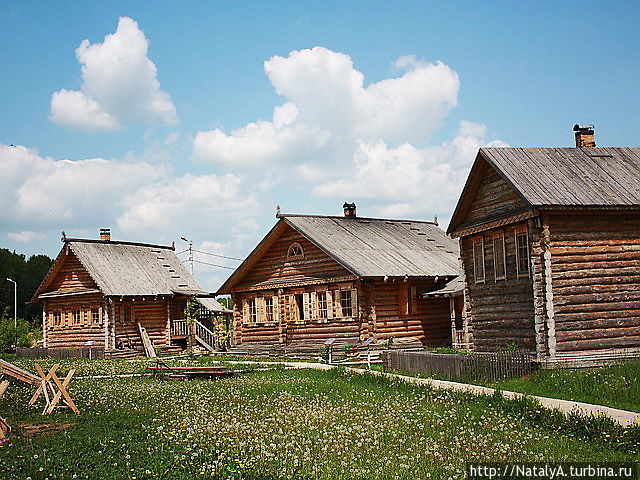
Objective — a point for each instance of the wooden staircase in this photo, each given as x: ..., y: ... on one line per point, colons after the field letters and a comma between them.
x: 205, y: 337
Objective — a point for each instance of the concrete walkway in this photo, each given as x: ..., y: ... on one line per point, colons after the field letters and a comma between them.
x: 622, y: 417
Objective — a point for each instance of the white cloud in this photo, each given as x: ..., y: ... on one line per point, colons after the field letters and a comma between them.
x: 25, y: 236
x: 329, y: 111
x: 119, y: 84
x: 408, y: 181
x: 40, y: 191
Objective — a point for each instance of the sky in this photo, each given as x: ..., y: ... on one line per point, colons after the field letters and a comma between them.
x: 163, y: 120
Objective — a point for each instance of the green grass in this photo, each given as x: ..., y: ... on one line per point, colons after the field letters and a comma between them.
x: 615, y: 386
x: 289, y: 424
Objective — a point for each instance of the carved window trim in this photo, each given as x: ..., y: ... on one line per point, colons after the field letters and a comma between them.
x: 295, y: 252
x: 478, y: 259
x: 522, y: 261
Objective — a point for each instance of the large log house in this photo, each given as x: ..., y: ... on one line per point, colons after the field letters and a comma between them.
x: 550, y: 243
x: 97, y: 291
x: 316, y: 277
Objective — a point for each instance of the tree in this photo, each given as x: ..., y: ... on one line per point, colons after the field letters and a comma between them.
x: 29, y: 274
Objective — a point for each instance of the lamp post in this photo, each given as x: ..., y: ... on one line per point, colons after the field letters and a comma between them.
x: 190, y: 252
x: 15, y: 310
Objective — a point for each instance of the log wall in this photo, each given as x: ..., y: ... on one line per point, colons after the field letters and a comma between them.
x: 150, y: 313
x: 274, y: 266
x: 493, y: 198
x: 67, y: 333
x: 71, y: 275
x: 429, y: 321
x: 595, y: 264
x: 501, y: 312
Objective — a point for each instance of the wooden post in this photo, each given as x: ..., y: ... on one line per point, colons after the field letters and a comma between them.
x: 105, y: 319
x: 44, y: 324
x: 452, y: 316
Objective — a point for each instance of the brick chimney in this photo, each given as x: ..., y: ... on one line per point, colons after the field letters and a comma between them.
x: 349, y: 210
x: 584, y: 136
x: 105, y: 234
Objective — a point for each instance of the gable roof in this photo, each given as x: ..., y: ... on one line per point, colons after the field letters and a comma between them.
x: 368, y: 247
x: 561, y: 177
x: 128, y: 268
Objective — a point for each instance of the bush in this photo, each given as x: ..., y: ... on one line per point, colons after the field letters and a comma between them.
x: 12, y: 336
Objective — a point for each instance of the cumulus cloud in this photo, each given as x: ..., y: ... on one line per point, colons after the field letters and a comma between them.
x: 427, y: 180
x: 329, y: 110
x: 25, y: 236
x: 45, y: 191
x: 119, y: 84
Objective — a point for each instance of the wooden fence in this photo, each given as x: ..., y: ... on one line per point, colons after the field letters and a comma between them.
x: 81, y: 352
x: 472, y: 366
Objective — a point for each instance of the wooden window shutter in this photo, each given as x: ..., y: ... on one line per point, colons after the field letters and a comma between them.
x: 338, y: 303
x: 403, y: 299
x: 305, y: 305
x: 245, y: 310
x: 354, y: 303
x: 260, y: 313
x: 329, y: 304
x: 313, y: 305
x: 276, y: 308
x: 414, y: 300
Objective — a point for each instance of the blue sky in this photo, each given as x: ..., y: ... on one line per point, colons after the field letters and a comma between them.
x: 388, y: 109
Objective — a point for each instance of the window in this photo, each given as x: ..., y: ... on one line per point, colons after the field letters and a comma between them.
x: 57, y: 318
x: 478, y: 260
x: 499, y: 266
x: 522, y: 253
x: 295, y: 252
x: 269, y: 308
x: 95, y: 315
x: 407, y: 300
x: 126, y: 316
x: 299, y: 306
x: 345, y: 303
x: 322, y: 304
x: 76, y: 317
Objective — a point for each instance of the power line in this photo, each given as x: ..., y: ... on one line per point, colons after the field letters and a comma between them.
x: 185, y: 250
x: 216, y: 255
x: 214, y: 265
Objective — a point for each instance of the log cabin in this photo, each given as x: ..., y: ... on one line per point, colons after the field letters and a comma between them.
x: 550, y: 246
x: 98, y: 291
x: 315, y: 277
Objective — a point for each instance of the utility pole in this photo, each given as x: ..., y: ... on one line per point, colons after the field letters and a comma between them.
x: 190, y: 252
x: 15, y: 310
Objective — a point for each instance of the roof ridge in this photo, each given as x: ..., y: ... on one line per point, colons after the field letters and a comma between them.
x: 340, y: 217
x: 118, y: 242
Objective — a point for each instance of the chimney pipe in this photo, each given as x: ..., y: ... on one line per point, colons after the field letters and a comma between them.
x: 349, y: 210
x: 584, y: 136
x: 105, y: 234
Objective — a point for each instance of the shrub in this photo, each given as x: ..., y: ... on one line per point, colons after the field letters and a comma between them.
x: 12, y: 336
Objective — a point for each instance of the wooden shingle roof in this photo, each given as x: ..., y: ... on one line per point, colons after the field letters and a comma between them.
x: 367, y: 247
x: 571, y: 176
x: 129, y: 269
x: 566, y: 178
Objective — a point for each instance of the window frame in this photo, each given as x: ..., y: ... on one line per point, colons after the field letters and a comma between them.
x: 295, y: 256
x: 253, y: 309
x: 522, y: 233
x: 346, y: 304
x: 499, y: 236
x: 323, y: 305
x: 478, y: 241
x: 268, y: 309
x: 95, y: 315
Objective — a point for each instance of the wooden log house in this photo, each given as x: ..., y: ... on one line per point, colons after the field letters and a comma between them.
x: 97, y: 291
x: 318, y: 277
x: 550, y: 244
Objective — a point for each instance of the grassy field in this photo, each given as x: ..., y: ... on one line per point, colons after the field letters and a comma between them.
x: 285, y: 424
x: 615, y: 386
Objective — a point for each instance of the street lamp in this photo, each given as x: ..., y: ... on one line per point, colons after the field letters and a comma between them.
x: 15, y: 303
x: 190, y: 252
